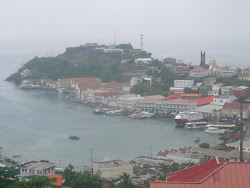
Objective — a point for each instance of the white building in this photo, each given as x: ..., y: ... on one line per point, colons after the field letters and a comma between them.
x: 113, y: 168
x: 165, y: 107
x: 127, y: 102
x: 222, y: 99
x: 145, y: 61
x: 183, y: 83
x: 226, y: 90
x: 135, y: 81
x: 199, y: 72
x: 26, y: 72
x: 41, y: 168
x: 113, y: 50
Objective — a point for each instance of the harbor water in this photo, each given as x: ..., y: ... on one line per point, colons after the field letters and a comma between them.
x: 37, y: 123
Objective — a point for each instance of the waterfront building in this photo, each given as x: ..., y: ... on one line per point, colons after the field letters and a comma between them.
x: 226, y: 74
x: 147, y: 161
x: 83, y: 91
x: 233, y: 110
x: 176, y: 91
x: 41, y: 168
x: 210, y: 81
x: 209, y: 110
x: 222, y: 99
x: 199, y: 72
x: 160, y: 106
x: 226, y: 90
x: 112, y: 169
x: 204, y: 90
x: 100, y: 97
x: 213, y: 173
x: 144, y: 61
x: 127, y: 102
x: 183, y: 83
x: 48, y: 83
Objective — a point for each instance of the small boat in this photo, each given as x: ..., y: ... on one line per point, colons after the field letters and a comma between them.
x: 74, y: 137
x: 215, y: 130
x: 135, y: 116
x: 196, y: 125
x: 16, y: 156
x: 98, y: 111
x: 197, y: 139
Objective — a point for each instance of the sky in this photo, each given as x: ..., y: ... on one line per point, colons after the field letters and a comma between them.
x: 47, y: 25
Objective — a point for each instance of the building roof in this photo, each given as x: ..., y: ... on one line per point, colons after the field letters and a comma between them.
x: 203, y: 101
x: 112, y: 163
x: 220, y: 68
x: 152, y: 99
x: 113, y: 84
x: 37, y: 165
x: 237, y: 144
x: 109, y: 93
x: 190, y: 95
x: 219, y: 84
x: 180, y: 101
x: 48, y: 81
x: 172, y: 97
x: 89, y: 86
x: 215, y: 173
x: 59, y: 179
x: 235, y: 106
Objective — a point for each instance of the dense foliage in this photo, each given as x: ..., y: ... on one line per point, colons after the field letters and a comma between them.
x: 77, y: 62
x: 9, y: 179
x: 204, y: 145
x: 84, y: 179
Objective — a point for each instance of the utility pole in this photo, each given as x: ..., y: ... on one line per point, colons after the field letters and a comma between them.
x: 241, y: 130
x: 91, y: 160
x: 114, y: 40
x: 141, y: 42
x: 150, y: 150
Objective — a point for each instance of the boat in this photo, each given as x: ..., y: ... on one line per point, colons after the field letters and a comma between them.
x: 215, y: 130
x: 135, y: 116
x: 196, y: 125
x: 74, y: 137
x: 197, y: 139
x: 186, y: 117
x: 16, y: 156
x: 98, y: 111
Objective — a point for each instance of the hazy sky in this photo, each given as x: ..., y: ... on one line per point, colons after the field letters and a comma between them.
x: 74, y: 22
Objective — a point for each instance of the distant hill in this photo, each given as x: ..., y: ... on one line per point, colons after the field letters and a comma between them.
x: 82, y: 61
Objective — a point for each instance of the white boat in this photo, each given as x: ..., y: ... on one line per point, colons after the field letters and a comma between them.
x: 215, y: 130
x: 196, y: 125
x: 186, y: 117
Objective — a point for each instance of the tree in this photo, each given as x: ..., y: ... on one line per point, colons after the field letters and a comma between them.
x: 125, y: 181
x: 8, y: 176
x: 81, y: 179
x: 37, y: 181
x: 204, y: 145
x: 205, y: 158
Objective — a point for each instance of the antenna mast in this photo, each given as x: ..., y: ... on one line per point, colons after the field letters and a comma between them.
x: 141, y: 42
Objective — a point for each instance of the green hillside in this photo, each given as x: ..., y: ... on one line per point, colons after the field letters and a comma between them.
x: 77, y: 62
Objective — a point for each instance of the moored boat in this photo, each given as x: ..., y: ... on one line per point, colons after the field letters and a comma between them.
x: 196, y: 125
x: 186, y: 117
x: 74, y: 137
x: 215, y: 130
x: 197, y: 139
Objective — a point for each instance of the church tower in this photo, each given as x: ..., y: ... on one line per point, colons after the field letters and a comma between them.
x: 203, y: 59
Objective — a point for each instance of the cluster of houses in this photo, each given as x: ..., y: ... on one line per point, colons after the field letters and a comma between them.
x: 213, y: 99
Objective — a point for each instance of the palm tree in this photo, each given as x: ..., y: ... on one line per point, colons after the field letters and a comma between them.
x: 126, y: 181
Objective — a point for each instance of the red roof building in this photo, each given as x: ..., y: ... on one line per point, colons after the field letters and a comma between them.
x: 59, y: 179
x: 172, y: 97
x: 233, y: 110
x: 204, y: 101
x: 190, y: 96
x: 215, y: 173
